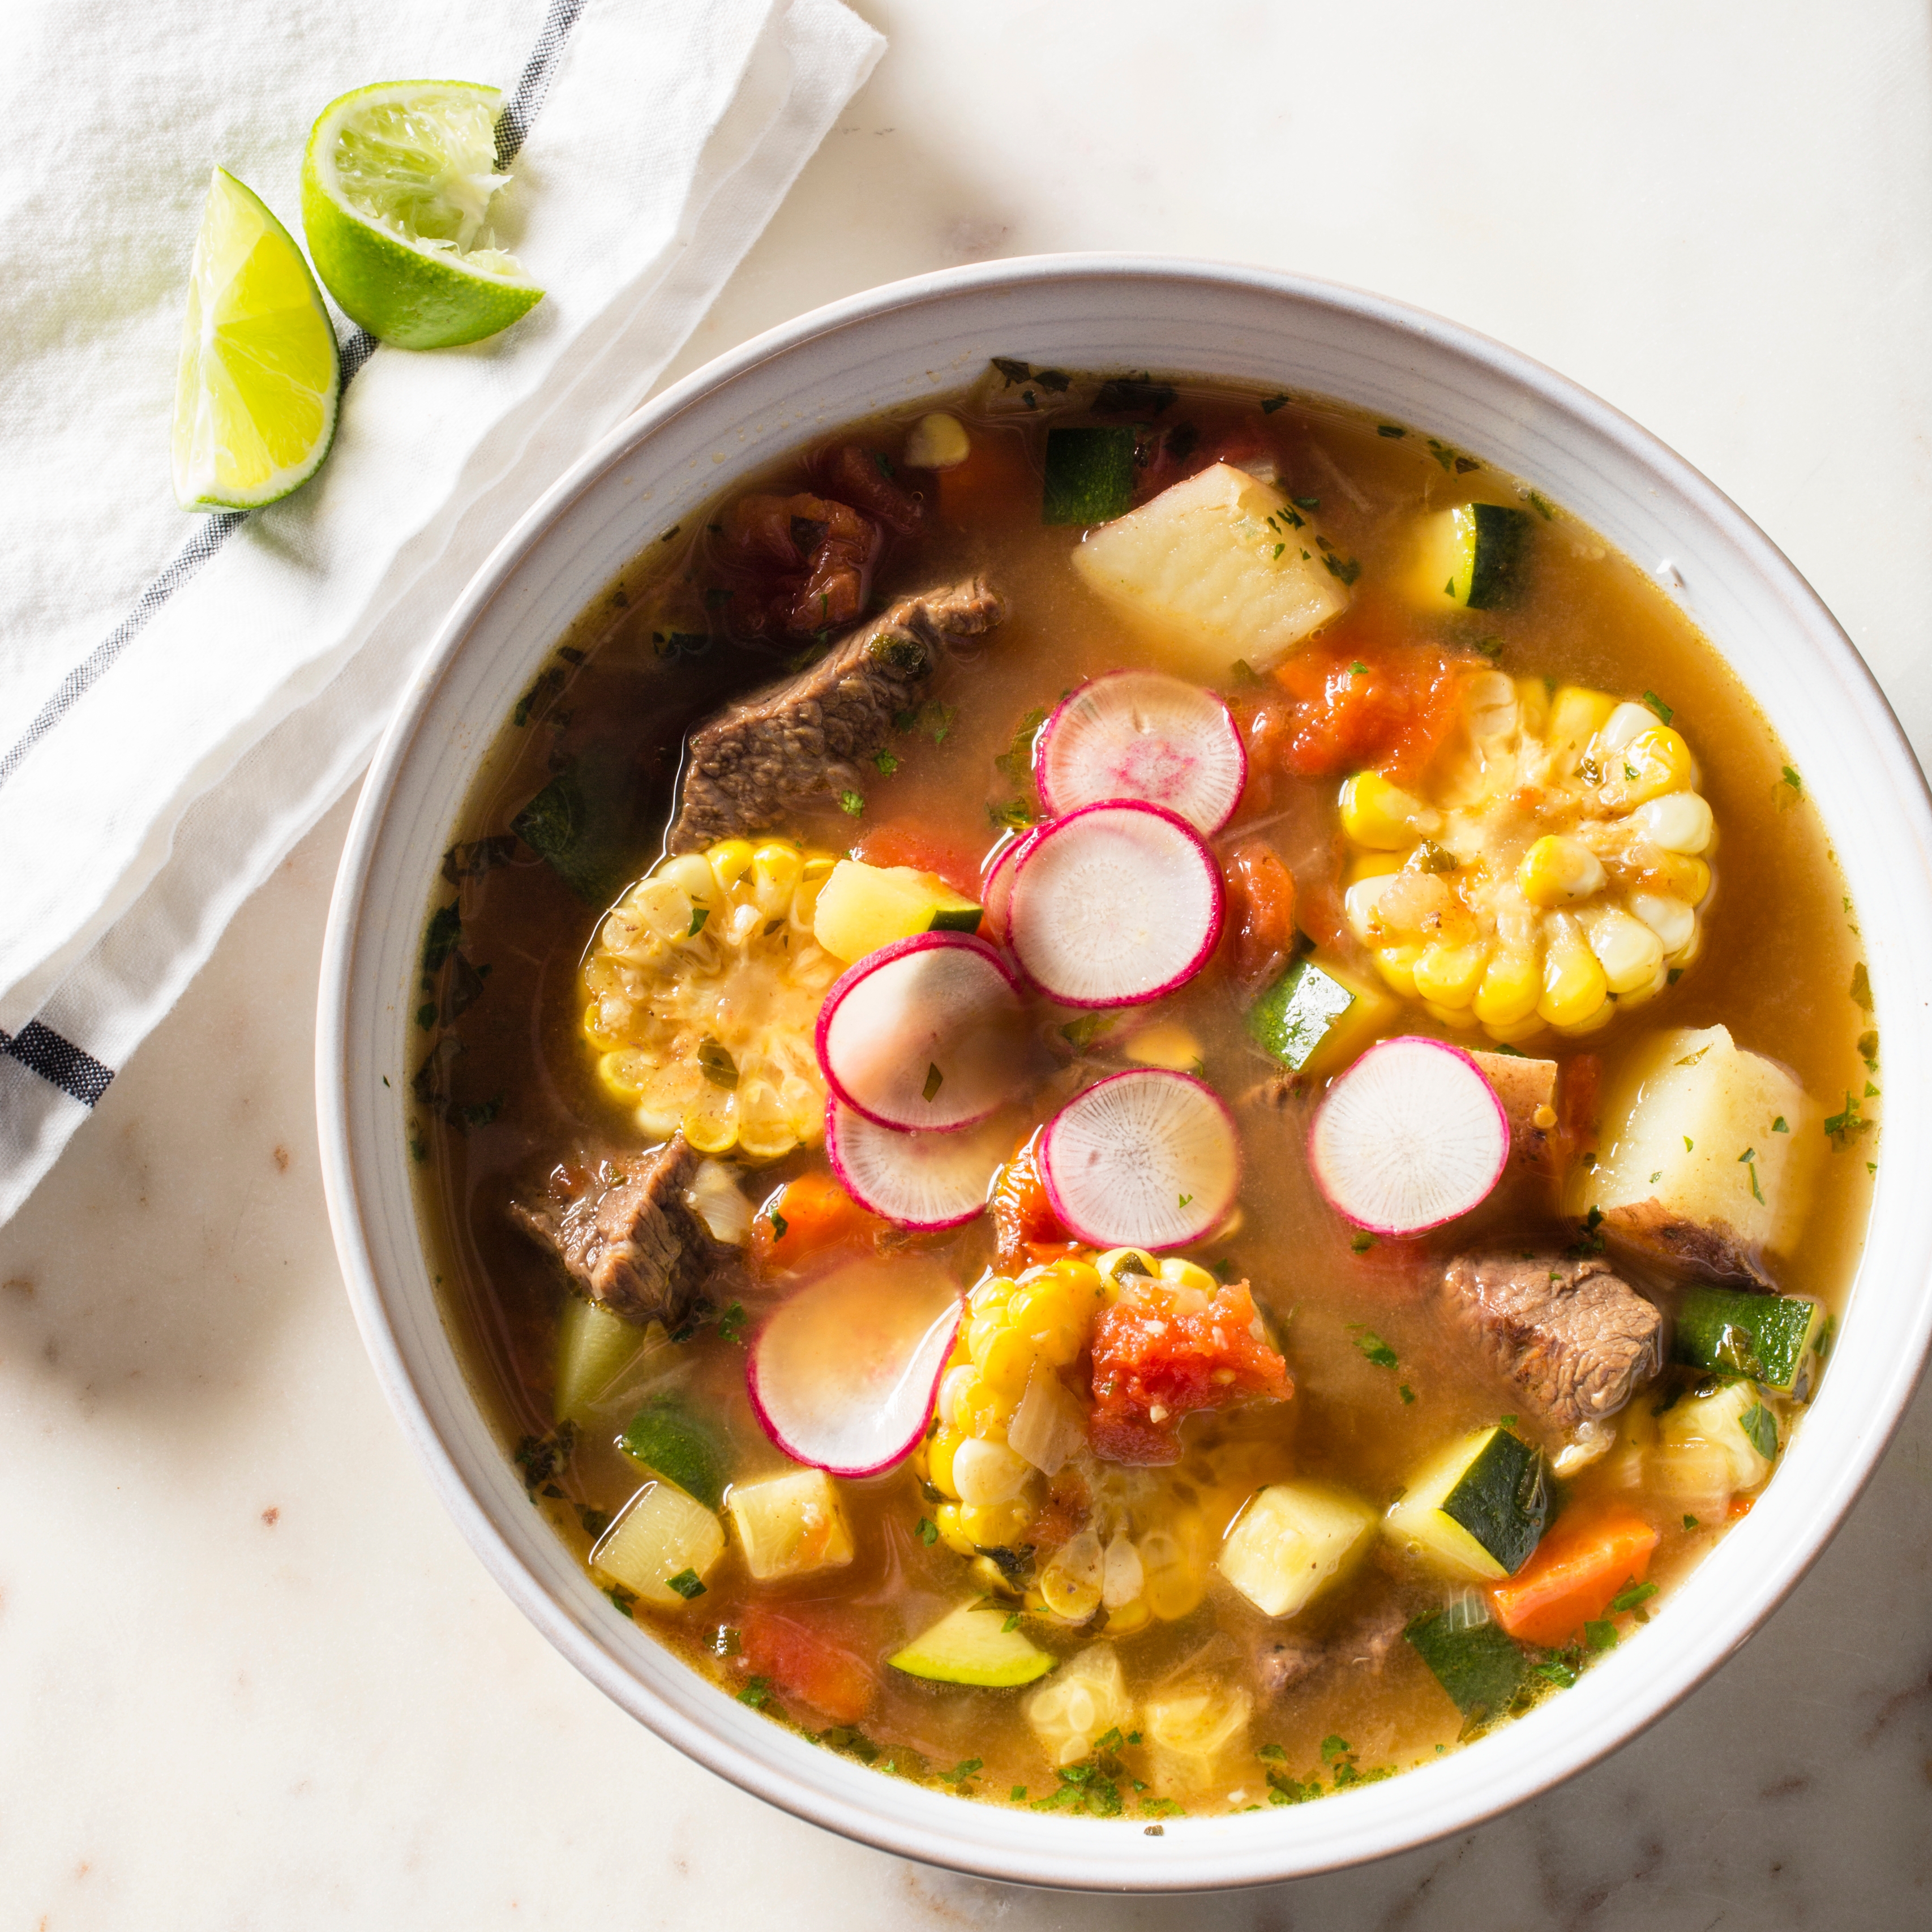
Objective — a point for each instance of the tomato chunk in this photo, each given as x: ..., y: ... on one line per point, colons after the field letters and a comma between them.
x: 1163, y: 1350
x: 1023, y: 1216
x: 1261, y: 913
x: 888, y: 845
x: 805, y: 1661
x: 1357, y: 705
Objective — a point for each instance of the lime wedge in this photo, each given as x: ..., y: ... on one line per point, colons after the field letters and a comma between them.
x: 397, y: 186
x: 255, y: 398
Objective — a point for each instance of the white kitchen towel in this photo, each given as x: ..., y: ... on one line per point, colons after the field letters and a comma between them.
x: 182, y: 698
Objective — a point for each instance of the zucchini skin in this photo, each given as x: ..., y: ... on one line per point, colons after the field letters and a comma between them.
x: 1090, y: 475
x: 1503, y: 1499
x: 1480, y: 1666
x: 1731, y: 1331
x: 1500, y: 543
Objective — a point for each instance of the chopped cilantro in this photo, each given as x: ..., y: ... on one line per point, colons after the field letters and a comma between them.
x: 886, y: 763
x: 724, y: 1641
x: 963, y: 1770
x: 935, y: 1080
x: 1689, y: 1522
x: 1362, y: 1242
x: 622, y: 1599
x: 1558, y: 1672
x: 1664, y: 713
x: 1012, y: 815
x: 1012, y: 1622
x: 1333, y: 1746
x: 687, y: 1583
x: 1760, y: 1428
x: 1541, y: 504
x: 1636, y: 1594
x: 426, y: 1015
x: 1407, y: 1393
x: 1270, y: 1751
x: 1671, y: 978
x: 731, y: 1323
x: 699, y: 914
x: 928, y: 1532
x: 1601, y: 1636
x: 1778, y: 1126
x: 1791, y: 778
x: 1373, y: 1347
x: 441, y: 940
x: 851, y: 803
x: 779, y: 1223
x: 1347, y: 570
x: 1270, y: 404
x: 1389, y: 429
x: 757, y: 1692
x: 1861, y: 991
x: 1018, y: 1791
x: 715, y: 1063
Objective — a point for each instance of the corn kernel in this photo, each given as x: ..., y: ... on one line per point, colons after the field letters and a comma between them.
x: 1396, y: 965
x: 1679, y: 821
x: 1556, y: 871
x: 1516, y: 1033
x: 985, y: 1324
x: 1082, y: 1277
x: 1128, y: 1619
x: 940, y: 1452
x: 957, y: 1379
x: 986, y: 1474
x: 1172, y: 1591
x: 1382, y: 816
x: 1672, y: 921
x: 983, y: 1411
x: 1623, y: 724
x: 1629, y: 952
x: 730, y: 860
x: 993, y: 1526
x: 1689, y: 879
x: 1373, y: 865
x: 1653, y: 762
x: 1009, y: 1359
x: 1512, y: 983
x: 1573, y: 985
x: 1449, y: 975
x: 947, y: 1517
x: 938, y: 442
x: 1450, y: 1016
x: 775, y: 872
x: 1045, y: 1311
x: 995, y: 1291
x: 1532, y: 698
x: 1109, y: 1263
x: 1576, y: 716
x: 1070, y: 1584
x: 1180, y: 1273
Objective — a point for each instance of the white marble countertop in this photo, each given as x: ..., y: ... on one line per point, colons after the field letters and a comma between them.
x: 250, y: 1677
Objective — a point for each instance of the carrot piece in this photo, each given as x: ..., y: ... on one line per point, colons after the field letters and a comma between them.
x: 1583, y: 1562
x: 804, y: 1662
x: 1023, y: 1216
x: 805, y: 1217
x: 996, y: 484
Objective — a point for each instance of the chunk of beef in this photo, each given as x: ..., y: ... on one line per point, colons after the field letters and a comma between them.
x: 1361, y: 1643
x: 784, y: 749
x: 1572, y: 1338
x: 622, y: 1228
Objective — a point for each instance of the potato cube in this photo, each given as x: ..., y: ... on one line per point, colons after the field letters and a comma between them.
x: 662, y: 1547
x: 1708, y: 1155
x: 1220, y: 568
x: 1292, y: 1541
x: 1196, y: 1730
x: 861, y: 907
x: 790, y: 1524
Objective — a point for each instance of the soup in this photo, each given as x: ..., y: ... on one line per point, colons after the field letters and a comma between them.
x: 1141, y: 1098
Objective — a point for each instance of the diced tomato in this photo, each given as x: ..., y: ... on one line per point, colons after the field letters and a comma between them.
x: 804, y: 1217
x: 1022, y: 1214
x: 804, y: 1660
x: 997, y: 483
x: 1588, y: 1558
x: 908, y: 845
x: 1069, y: 1504
x: 1161, y: 1351
x: 1355, y: 706
x: 1261, y: 913
x: 1577, y: 1086
x: 1181, y: 451
x: 869, y: 479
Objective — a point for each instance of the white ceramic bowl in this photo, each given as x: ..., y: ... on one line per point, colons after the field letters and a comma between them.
x: 889, y: 348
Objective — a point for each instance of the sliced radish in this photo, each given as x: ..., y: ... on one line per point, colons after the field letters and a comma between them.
x: 927, y: 1032
x: 843, y: 1376
x: 1113, y: 904
x: 1144, y: 1159
x: 1410, y: 1137
x: 925, y: 1181
x: 1142, y: 734
x: 996, y: 876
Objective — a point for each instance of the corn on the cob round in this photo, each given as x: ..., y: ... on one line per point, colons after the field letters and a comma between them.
x: 700, y: 994
x: 1552, y: 876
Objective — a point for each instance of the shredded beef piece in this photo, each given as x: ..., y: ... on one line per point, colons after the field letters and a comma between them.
x: 622, y: 1228
x: 1572, y: 1338
x: 1362, y: 1642
x: 795, y: 745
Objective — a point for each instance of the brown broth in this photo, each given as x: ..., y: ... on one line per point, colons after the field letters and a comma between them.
x: 1779, y: 950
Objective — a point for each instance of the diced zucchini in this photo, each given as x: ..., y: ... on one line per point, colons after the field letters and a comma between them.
x: 594, y: 1347
x: 1193, y: 1730
x: 663, y: 1544
x: 1291, y: 1542
x: 1218, y: 569
x: 666, y: 1439
x: 1731, y: 1332
x: 1471, y: 556
x: 1477, y: 1509
x: 972, y: 1645
x: 1734, y: 1420
x: 1090, y: 475
x: 863, y: 907
x: 1087, y: 1699
x: 1318, y: 1015
x: 1693, y: 1166
x: 1476, y: 1660
x: 790, y: 1524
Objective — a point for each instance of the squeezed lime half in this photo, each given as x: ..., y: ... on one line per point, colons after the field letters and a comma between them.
x: 256, y: 394
x: 397, y: 187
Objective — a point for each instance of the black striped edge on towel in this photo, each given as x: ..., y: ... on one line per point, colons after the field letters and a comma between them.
x: 72, y: 1069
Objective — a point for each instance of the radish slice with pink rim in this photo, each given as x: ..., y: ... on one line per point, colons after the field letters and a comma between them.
x: 1146, y: 1159
x: 843, y: 1376
x: 921, y: 1181
x: 1114, y: 905
x: 1142, y: 734
x: 997, y: 882
x: 1411, y: 1136
x: 925, y: 1033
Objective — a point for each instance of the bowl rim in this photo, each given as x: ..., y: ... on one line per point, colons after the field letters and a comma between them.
x: 1693, y: 494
